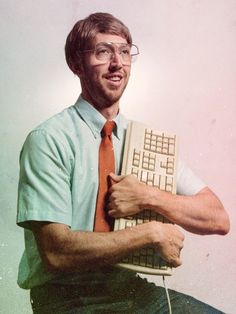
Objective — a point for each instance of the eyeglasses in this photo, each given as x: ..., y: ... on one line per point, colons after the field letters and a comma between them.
x: 105, y: 52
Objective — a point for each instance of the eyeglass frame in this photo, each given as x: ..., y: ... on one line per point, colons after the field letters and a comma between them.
x: 112, y: 54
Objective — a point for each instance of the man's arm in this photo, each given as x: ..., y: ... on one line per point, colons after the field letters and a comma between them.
x: 64, y: 250
x: 202, y: 213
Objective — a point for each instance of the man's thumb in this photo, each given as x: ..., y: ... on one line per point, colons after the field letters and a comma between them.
x: 115, y: 178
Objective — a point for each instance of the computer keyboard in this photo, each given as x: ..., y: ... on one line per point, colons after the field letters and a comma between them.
x: 151, y: 156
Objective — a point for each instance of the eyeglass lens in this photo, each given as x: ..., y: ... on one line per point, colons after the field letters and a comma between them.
x: 105, y: 51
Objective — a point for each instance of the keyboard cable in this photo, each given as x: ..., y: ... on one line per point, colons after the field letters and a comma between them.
x: 167, y: 295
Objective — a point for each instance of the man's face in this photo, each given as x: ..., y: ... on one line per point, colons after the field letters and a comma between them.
x: 104, y: 83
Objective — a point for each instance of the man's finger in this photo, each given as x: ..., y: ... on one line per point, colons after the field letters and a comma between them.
x: 115, y: 178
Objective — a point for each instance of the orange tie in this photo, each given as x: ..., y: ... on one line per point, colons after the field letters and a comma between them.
x: 106, y: 165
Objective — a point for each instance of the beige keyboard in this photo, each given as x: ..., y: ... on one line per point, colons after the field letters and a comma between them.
x: 151, y: 157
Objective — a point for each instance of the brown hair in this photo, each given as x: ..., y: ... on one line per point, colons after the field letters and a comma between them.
x: 84, y: 31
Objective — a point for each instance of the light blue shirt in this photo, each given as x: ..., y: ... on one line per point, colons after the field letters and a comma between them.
x: 59, y: 178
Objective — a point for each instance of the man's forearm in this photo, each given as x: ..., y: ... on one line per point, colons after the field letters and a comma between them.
x: 63, y: 250
x: 202, y: 213
x: 91, y: 250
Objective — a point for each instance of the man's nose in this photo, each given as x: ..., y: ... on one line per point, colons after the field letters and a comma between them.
x: 116, y: 59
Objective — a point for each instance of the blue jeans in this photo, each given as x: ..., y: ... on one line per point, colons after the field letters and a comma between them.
x: 134, y: 295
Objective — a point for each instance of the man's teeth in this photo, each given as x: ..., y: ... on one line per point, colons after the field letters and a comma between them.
x: 115, y: 78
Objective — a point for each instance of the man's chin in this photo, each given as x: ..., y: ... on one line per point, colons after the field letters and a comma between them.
x: 114, y: 95
x: 112, y: 98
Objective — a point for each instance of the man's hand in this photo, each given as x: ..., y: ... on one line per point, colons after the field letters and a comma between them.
x: 168, y: 241
x: 126, y: 196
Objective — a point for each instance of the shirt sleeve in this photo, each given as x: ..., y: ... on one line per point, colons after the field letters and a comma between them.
x: 187, y: 182
x: 44, y: 192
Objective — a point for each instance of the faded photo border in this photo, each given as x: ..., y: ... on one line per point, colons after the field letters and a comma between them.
x: 183, y: 82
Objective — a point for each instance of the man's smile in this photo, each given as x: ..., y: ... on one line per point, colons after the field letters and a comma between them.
x: 114, y: 79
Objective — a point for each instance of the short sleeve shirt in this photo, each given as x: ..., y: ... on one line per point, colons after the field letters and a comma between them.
x: 59, y: 178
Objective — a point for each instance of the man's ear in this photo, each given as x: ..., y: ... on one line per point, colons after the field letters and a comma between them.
x: 76, y: 65
x: 78, y: 68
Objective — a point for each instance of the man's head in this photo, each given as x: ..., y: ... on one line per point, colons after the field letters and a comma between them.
x: 99, y: 50
x: 82, y: 36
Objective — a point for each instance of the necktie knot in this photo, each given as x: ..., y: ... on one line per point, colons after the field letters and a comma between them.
x: 108, y: 128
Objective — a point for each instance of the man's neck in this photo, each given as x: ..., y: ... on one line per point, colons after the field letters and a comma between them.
x: 109, y: 112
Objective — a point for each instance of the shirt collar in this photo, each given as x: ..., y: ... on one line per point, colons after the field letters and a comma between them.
x: 95, y: 120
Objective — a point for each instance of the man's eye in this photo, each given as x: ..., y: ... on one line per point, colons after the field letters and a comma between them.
x: 125, y: 51
x: 103, y: 52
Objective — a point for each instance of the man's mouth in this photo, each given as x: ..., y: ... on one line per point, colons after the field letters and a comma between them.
x: 114, y: 77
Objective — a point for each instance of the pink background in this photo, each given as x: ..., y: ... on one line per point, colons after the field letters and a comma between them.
x: 183, y: 81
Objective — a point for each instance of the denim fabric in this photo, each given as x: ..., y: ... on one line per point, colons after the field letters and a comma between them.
x: 133, y: 296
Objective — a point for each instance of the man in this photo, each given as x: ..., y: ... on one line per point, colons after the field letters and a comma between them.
x: 69, y: 265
